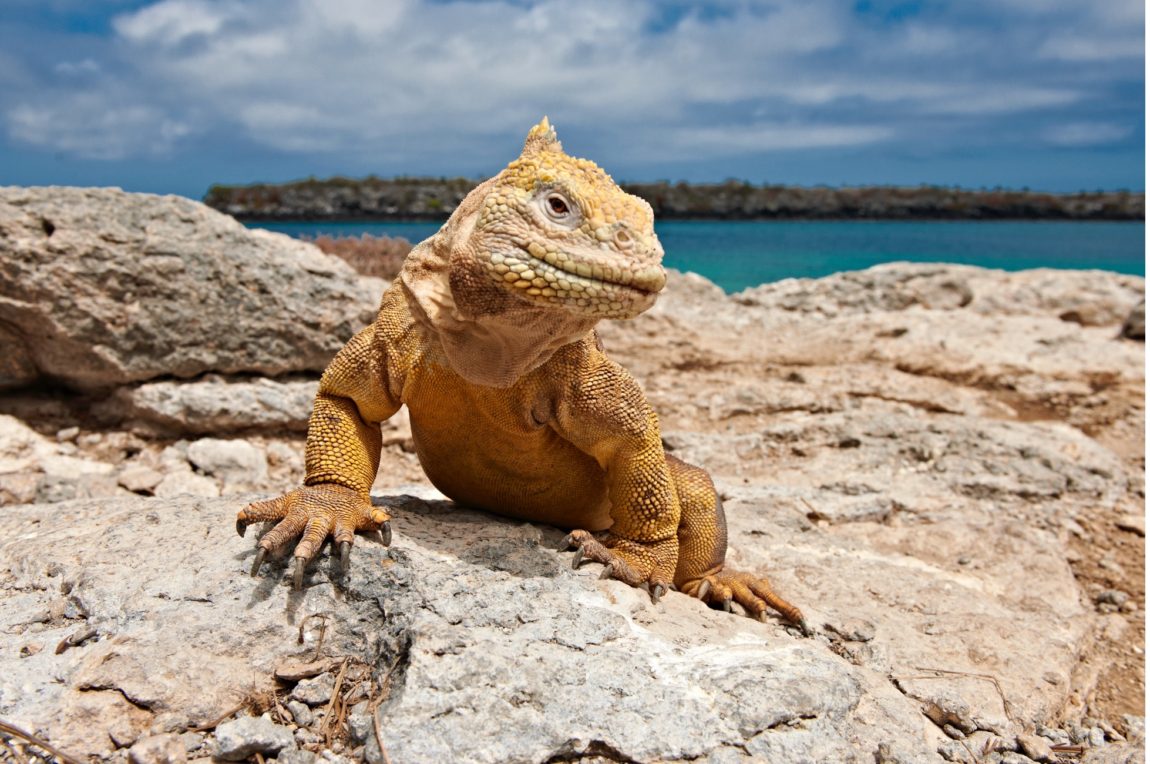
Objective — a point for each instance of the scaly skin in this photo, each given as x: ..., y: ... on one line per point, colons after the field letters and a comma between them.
x: 488, y: 338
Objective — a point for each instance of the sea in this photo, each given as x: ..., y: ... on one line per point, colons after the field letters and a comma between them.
x: 741, y: 254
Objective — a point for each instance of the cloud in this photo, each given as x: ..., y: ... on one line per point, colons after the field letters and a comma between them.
x: 88, y: 127
x: 719, y: 141
x: 417, y: 80
x: 1085, y: 133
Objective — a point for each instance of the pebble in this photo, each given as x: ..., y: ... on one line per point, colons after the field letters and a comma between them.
x: 192, y: 741
x: 1054, y: 735
x: 68, y: 433
x: 300, y: 713
x: 1035, y: 747
x: 139, y: 479
x: 158, y: 749
x: 1114, y: 597
x: 305, y: 736
x: 360, y: 727
x: 240, y: 739
x: 296, y: 756
x: 315, y: 691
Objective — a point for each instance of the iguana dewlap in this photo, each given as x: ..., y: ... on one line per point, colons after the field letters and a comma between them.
x: 488, y: 338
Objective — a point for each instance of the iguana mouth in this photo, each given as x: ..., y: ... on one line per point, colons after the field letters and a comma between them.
x: 647, y: 278
x: 541, y: 272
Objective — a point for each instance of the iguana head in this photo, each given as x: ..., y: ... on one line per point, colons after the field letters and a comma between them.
x: 557, y: 232
x: 531, y: 260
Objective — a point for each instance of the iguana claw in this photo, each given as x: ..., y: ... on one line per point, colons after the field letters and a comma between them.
x: 608, y: 571
x: 344, y: 556
x: 297, y: 577
x: 657, y: 593
x: 704, y: 590
x: 577, y: 558
x: 261, y: 555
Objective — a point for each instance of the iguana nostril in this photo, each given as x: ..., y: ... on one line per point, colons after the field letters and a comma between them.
x: 622, y: 238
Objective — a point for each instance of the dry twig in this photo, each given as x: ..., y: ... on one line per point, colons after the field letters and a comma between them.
x: 16, y: 732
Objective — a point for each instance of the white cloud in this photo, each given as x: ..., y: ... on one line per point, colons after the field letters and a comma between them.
x: 170, y: 22
x: 718, y: 141
x: 1085, y: 48
x: 89, y: 127
x: 415, y: 79
x: 1085, y: 133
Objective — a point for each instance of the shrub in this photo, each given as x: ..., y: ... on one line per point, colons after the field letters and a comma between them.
x: 380, y: 256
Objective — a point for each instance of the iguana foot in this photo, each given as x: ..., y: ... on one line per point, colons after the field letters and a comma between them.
x: 313, y: 513
x: 644, y: 565
x: 754, y: 594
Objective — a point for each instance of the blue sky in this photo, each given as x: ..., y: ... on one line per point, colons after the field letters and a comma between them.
x: 173, y: 95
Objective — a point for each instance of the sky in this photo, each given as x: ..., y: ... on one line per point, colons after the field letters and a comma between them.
x: 171, y: 96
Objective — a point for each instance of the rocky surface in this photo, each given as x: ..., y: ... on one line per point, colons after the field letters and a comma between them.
x: 99, y: 288
x: 944, y: 466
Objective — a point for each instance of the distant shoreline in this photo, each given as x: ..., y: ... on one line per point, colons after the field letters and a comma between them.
x: 433, y: 199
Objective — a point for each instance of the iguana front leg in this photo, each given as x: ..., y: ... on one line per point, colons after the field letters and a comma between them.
x: 604, y: 414
x: 343, y: 445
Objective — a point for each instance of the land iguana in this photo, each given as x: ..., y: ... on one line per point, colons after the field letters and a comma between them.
x: 488, y: 338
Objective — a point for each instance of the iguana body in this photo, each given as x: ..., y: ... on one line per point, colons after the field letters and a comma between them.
x: 488, y: 338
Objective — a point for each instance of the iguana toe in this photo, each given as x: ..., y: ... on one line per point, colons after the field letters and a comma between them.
x: 627, y: 561
x: 754, y: 594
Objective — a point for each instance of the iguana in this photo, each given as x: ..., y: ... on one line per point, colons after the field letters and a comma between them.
x: 488, y: 338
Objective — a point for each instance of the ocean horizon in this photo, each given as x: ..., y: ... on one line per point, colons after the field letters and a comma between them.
x: 741, y: 254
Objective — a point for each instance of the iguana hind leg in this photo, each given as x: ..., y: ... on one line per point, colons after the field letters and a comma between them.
x: 703, y: 548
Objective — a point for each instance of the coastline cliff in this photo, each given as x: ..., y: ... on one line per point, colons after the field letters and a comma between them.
x: 374, y: 198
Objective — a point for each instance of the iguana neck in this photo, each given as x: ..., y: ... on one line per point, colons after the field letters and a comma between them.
x: 489, y: 337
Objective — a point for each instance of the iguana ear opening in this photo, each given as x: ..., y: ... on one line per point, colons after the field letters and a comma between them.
x: 542, y: 138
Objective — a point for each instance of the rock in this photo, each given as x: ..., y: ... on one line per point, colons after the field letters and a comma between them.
x: 242, y: 738
x: 1134, y: 327
x: 669, y: 682
x: 934, y: 455
x: 212, y: 406
x: 360, y: 727
x: 1111, y: 597
x: 34, y: 468
x: 158, y: 749
x: 300, y: 713
x: 296, y: 756
x: 140, y: 479
x: 186, y: 483
x: 102, y: 288
x: 1035, y: 747
x: 316, y: 691
x: 237, y: 463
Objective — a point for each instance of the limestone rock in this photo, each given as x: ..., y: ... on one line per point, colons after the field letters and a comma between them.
x: 1134, y: 327
x: 243, y: 738
x: 1089, y: 298
x: 212, y: 406
x: 237, y: 463
x: 103, y: 287
x: 186, y: 483
x: 489, y: 622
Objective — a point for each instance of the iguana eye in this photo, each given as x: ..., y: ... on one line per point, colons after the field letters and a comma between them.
x: 557, y: 206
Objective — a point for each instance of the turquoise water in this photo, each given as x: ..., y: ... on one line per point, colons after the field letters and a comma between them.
x: 736, y: 255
